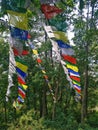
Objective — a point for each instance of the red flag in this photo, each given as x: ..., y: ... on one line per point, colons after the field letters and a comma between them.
x: 29, y: 36
x: 78, y: 90
x: 16, y: 53
x: 20, y: 80
x: 25, y: 52
x: 75, y: 78
x: 23, y: 95
x: 45, y: 76
x: 50, y: 11
x: 39, y: 60
x: 69, y: 58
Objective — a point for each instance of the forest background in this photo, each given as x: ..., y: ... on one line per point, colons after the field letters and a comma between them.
x: 39, y: 111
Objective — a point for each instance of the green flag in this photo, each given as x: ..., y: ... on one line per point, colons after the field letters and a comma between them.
x: 59, y: 22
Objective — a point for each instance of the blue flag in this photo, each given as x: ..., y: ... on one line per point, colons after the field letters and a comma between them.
x: 20, y: 99
x: 73, y: 72
x: 62, y: 44
x: 20, y: 72
x: 19, y: 33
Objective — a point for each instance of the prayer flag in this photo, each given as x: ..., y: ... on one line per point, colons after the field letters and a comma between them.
x: 60, y: 36
x: 21, y: 66
x: 18, y: 59
x: 21, y: 81
x: 24, y: 86
x: 19, y: 33
x: 62, y: 44
x: 29, y: 36
x: 67, y: 51
x: 20, y: 99
x: 69, y: 59
x: 16, y: 52
x: 59, y: 22
x: 45, y: 76
x: 73, y: 73
x: 16, y: 105
x: 78, y: 88
x: 21, y: 92
x: 20, y: 72
x: 50, y: 11
x: 35, y: 51
x: 43, y: 71
x: 72, y: 67
x: 76, y: 83
x: 39, y: 60
x: 18, y: 20
x: 25, y: 52
x: 75, y: 78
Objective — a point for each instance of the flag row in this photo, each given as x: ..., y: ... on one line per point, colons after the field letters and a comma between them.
x: 18, y: 25
x: 53, y: 14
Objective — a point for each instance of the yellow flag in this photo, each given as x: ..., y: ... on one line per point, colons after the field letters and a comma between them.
x: 75, y: 68
x: 35, y: 52
x: 24, y: 86
x: 49, y: 86
x: 16, y: 105
x: 60, y: 36
x: 43, y: 71
x: 22, y: 67
x: 18, y: 20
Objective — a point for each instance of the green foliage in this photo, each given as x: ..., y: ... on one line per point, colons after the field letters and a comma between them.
x: 66, y: 113
x: 11, y: 4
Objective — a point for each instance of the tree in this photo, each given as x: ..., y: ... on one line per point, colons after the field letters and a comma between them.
x: 39, y: 110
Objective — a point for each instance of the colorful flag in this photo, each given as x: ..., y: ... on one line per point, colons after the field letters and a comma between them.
x: 24, y: 86
x: 35, y: 52
x: 18, y: 20
x: 21, y: 66
x: 20, y: 80
x: 59, y: 22
x: 19, y: 33
x: 20, y: 99
x: 21, y: 92
x: 75, y: 78
x: 69, y: 59
x: 20, y: 72
x: 73, y: 73
x: 43, y: 71
x: 45, y: 76
x: 18, y: 59
x: 76, y: 83
x: 50, y: 11
x: 61, y: 36
x: 72, y: 67
x: 67, y: 51
x: 39, y: 60
x: 62, y: 44
x: 78, y: 88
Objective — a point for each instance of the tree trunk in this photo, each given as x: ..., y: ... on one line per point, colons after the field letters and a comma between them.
x: 54, y: 111
x: 5, y: 112
x: 85, y: 91
x: 40, y: 100
x: 44, y: 102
